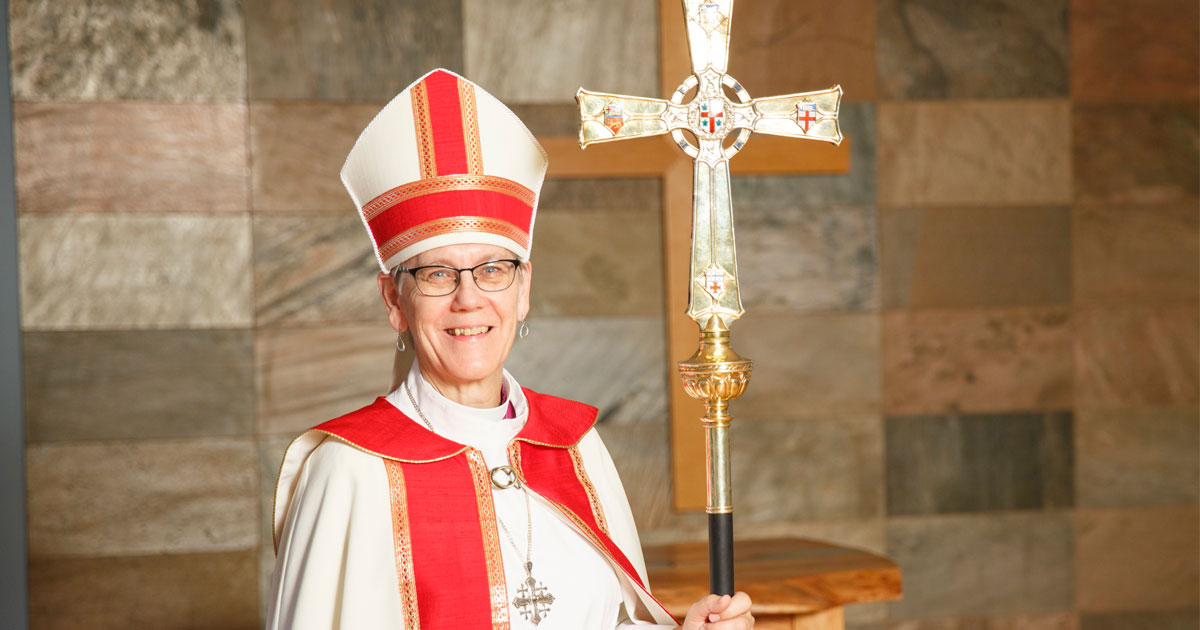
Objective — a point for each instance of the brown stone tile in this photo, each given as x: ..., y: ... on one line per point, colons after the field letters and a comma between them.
x: 315, y: 270
x: 807, y: 259
x: 828, y: 45
x: 983, y: 361
x: 611, y: 47
x: 115, y: 271
x: 617, y: 364
x: 1046, y: 621
x: 982, y: 565
x: 1132, y: 356
x: 1141, y: 620
x: 142, y: 497
x: 201, y: 590
x: 75, y: 50
x: 783, y: 471
x: 977, y: 256
x: 809, y: 366
x: 549, y: 120
x: 869, y: 534
x: 598, y: 262
x: 1136, y: 254
x: 1128, y: 50
x: 979, y: 463
x: 1144, y: 559
x: 150, y: 384
x: 1143, y: 153
x: 130, y: 157
x: 297, y: 153
x: 366, y: 51
x: 945, y: 49
x: 974, y: 152
x: 1136, y: 457
x: 306, y: 376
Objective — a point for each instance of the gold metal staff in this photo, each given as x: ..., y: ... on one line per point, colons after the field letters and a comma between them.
x: 721, y: 126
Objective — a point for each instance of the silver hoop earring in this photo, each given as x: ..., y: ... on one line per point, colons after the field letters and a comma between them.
x: 400, y: 343
x: 523, y: 332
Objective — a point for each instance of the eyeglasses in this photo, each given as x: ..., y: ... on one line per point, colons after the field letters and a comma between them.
x: 439, y: 280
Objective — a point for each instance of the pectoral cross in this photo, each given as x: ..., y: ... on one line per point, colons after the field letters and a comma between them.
x: 720, y: 117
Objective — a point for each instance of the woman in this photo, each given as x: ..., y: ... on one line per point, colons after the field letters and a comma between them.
x: 460, y: 500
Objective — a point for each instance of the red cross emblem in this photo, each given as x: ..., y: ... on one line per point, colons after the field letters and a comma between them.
x: 712, y: 114
x: 804, y: 115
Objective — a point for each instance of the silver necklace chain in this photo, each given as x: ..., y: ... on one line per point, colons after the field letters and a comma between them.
x: 533, y: 599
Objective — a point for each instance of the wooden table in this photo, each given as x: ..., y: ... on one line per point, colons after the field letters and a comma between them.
x: 796, y: 584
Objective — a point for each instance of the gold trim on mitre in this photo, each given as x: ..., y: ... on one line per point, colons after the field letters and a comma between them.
x: 446, y: 183
x: 453, y: 225
x: 470, y: 123
x: 423, y: 127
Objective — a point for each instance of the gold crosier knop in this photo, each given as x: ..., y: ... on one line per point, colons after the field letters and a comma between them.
x: 721, y: 117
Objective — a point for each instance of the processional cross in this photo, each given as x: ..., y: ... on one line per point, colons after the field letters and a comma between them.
x: 721, y: 127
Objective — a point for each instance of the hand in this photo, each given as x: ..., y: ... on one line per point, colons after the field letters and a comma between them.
x: 720, y: 612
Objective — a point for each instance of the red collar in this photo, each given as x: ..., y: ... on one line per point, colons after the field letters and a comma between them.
x: 382, y: 429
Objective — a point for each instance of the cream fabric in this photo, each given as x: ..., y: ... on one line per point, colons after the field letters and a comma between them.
x: 334, y: 567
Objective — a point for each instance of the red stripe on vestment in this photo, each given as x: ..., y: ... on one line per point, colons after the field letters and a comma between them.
x: 550, y: 472
x: 447, y: 554
x: 415, y: 212
x: 445, y: 111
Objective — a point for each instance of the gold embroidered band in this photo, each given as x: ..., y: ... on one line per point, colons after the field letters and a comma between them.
x: 423, y: 126
x: 402, y: 543
x: 452, y: 225
x: 497, y: 590
x: 470, y: 123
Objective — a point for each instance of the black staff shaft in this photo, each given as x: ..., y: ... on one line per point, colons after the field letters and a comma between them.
x: 720, y: 553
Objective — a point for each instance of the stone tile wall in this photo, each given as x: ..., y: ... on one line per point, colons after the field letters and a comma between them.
x: 976, y: 352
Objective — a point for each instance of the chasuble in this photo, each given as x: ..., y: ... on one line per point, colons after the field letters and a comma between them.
x: 381, y: 523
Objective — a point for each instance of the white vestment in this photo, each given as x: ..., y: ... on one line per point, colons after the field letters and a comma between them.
x: 335, y: 566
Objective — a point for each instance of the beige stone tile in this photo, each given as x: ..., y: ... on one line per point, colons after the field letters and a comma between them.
x: 784, y: 471
x: 119, y: 271
x: 138, y: 384
x: 1144, y: 559
x: 973, y: 152
x: 1136, y: 457
x: 305, y: 376
x: 75, y: 50
x: 1127, y: 50
x: 809, y: 366
x: 642, y: 454
x: 768, y: 32
x: 808, y: 259
x: 1047, y: 621
x: 366, y: 51
x: 980, y: 256
x: 1136, y: 253
x: 616, y: 364
x: 977, y: 361
x: 598, y: 262
x: 297, y: 153
x: 1143, y: 155
x: 130, y: 157
x: 1136, y: 356
x: 142, y: 497
x: 616, y: 194
x: 982, y: 565
x: 201, y: 590
x: 1004, y: 49
x: 611, y: 46
x: 315, y: 270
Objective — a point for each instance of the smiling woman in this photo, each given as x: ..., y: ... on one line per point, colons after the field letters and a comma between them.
x: 461, y: 499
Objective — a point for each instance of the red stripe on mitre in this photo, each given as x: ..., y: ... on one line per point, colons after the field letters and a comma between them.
x: 550, y: 472
x: 445, y: 112
x: 449, y: 564
x: 419, y: 215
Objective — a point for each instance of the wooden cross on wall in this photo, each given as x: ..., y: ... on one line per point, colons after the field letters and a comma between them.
x: 658, y: 156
